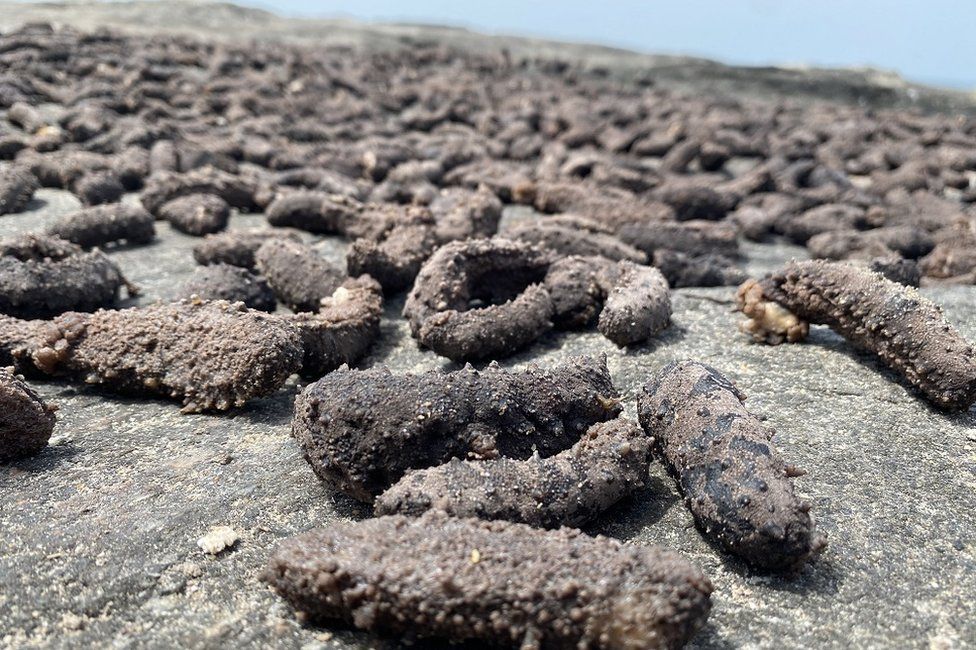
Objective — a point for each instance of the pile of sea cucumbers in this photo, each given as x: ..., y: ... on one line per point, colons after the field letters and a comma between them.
x: 484, y: 474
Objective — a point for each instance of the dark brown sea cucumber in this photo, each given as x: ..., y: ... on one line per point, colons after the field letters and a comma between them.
x: 238, y: 247
x: 208, y: 355
x: 343, y: 330
x: 196, y: 214
x: 164, y: 187
x: 314, y: 211
x: 231, y: 283
x: 299, y: 276
x: 575, y: 236
x: 734, y: 481
x: 42, y: 276
x: 106, y: 224
x: 26, y: 421
x: 905, y: 330
x: 609, y: 462
x: 17, y: 187
x: 502, y: 275
x: 505, y: 583
x: 394, y: 257
x: 362, y: 430
x: 638, y: 307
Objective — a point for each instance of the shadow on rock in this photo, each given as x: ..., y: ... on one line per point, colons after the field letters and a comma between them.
x: 709, y: 638
x: 825, y: 338
x: 629, y: 516
x: 673, y: 334
x: 49, y: 458
x: 349, y: 508
x: 818, y: 576
x: 275, y: 410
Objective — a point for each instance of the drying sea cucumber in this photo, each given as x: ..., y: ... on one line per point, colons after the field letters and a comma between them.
x: 575, y: 236
x: 500, y: 274
x: 106, y: 224
x: 26, y: 422
x: 238, y: 247
x: 196, y: 214
x: 734, y: 481
x: 231, y: 283
x: 505, y: 583
x: 42, y: 276
x: 609, y: 462
x: 361, y: 430
x: 17, y: 187
x: 638, y: 307
x: 343, y: 330
x: 905, y: 330
x: 299, y: 276
x: 208, y: 355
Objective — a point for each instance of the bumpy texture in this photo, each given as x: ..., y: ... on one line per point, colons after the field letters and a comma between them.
x: 26, y: 422
x: 314, y: 211
x: 569, y: 489
x: 638, y: 307
x: 486, y: 270
x: 98, y: 187
x: 344, y: 328
x: 692, y: 237
x: 17, y: 187
x: 898, y: 270
x: 394, y: 257
x: 362, y: 430
x: 196, y: 214
x: 575, y: 236
x: 231, y: 283
x: 734, y: 481
x: 690, y: 270
x: 106, y: 224
x: 462, y: 214
x: 209, y: 355
x: 299, y: 276
x: 504, y: 583
x: 632, y: 302
x: 164, y: 187
x: 578, y: 287
x: 42, y: 276
x: 906, y: 331
x: 237, y: 248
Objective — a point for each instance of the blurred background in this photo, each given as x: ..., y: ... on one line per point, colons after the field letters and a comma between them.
x: 929, y: 42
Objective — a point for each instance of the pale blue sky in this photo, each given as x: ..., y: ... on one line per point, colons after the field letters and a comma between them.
x: 931, y: 41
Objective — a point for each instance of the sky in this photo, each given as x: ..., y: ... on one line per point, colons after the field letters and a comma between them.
x: 929, y: 41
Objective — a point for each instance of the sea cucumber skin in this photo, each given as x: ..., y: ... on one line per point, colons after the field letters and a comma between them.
x: 361, y: 430
x: 638, y: 307
x: 26, y: 421
x: 344, y: 328
x: 504, y: 583
x: 299, y: 276
x: 208, y: 355
x: 571, y: 488
x: 231, y: 283
x: 734, y: 480
x: 106, y: 224
x: 908, y: 332
x: 501, y: 271
x: 238, y: 247
x: 42, y: 276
